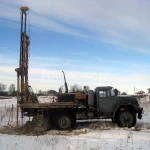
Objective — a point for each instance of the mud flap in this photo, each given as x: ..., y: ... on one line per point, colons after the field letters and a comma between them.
x: 140, y: 113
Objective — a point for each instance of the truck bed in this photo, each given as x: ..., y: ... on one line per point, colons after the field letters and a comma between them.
x: 52, y: 105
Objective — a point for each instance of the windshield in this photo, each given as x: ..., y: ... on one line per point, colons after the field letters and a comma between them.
x: 102, y: 93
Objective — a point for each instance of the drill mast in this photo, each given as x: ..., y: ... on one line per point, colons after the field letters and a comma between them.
x: 22, y: 71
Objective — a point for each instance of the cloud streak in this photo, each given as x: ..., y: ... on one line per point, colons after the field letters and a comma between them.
x: 116, y: 22
x: 44, y: 78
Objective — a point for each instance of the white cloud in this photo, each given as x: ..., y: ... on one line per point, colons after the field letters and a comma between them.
x: 46, y: 73
x: 124, y: 23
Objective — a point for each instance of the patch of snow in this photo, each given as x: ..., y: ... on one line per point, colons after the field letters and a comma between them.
x: 104, y: 140
x: 88, y: 135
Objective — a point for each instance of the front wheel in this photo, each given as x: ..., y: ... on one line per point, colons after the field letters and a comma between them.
x: 126, y: 119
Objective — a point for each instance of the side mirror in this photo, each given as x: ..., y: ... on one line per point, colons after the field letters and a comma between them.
x: 116, y: 92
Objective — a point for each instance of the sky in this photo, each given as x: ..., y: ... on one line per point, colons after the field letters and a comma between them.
x: 95, y: 42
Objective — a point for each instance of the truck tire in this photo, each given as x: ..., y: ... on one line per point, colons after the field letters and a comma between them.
x: 90, y: 98
x: 64, y: 121
x: 126, y: 119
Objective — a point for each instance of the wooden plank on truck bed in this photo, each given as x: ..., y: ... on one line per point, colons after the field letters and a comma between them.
x: 52, y: 105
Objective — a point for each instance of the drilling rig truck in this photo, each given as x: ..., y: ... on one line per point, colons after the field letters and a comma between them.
x: 102, y: 103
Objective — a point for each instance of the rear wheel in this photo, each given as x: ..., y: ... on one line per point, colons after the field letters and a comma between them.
x: 64, y: 121
x: 126, y: 119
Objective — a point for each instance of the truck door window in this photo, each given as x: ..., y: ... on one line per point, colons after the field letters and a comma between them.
x: 109, y: 93
x: 102, y: 93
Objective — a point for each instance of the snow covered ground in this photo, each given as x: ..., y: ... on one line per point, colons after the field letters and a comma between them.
x: 94, y: 140
x: 90, y: 135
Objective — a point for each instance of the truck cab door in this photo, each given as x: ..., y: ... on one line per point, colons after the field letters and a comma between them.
x: 105, y: 103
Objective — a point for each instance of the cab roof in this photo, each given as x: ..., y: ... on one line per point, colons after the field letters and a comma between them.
x: 103, y: 88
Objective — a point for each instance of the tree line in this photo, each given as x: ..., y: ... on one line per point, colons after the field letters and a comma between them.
x: 11, y: 90
x: 73, y: 89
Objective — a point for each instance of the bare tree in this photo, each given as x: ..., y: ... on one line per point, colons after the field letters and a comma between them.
x: 75, y: 88
x: 140, y: 92
x: 86, y: 88
x: 40, y: 92
x: 124, y: 93
x: 12, y: 89
x: 2, y: 87
x: 61, y: 89
x: 52, y: 92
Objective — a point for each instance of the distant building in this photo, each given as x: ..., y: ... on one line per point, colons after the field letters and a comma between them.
x: 140, y: 92
x: 148, y: 90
